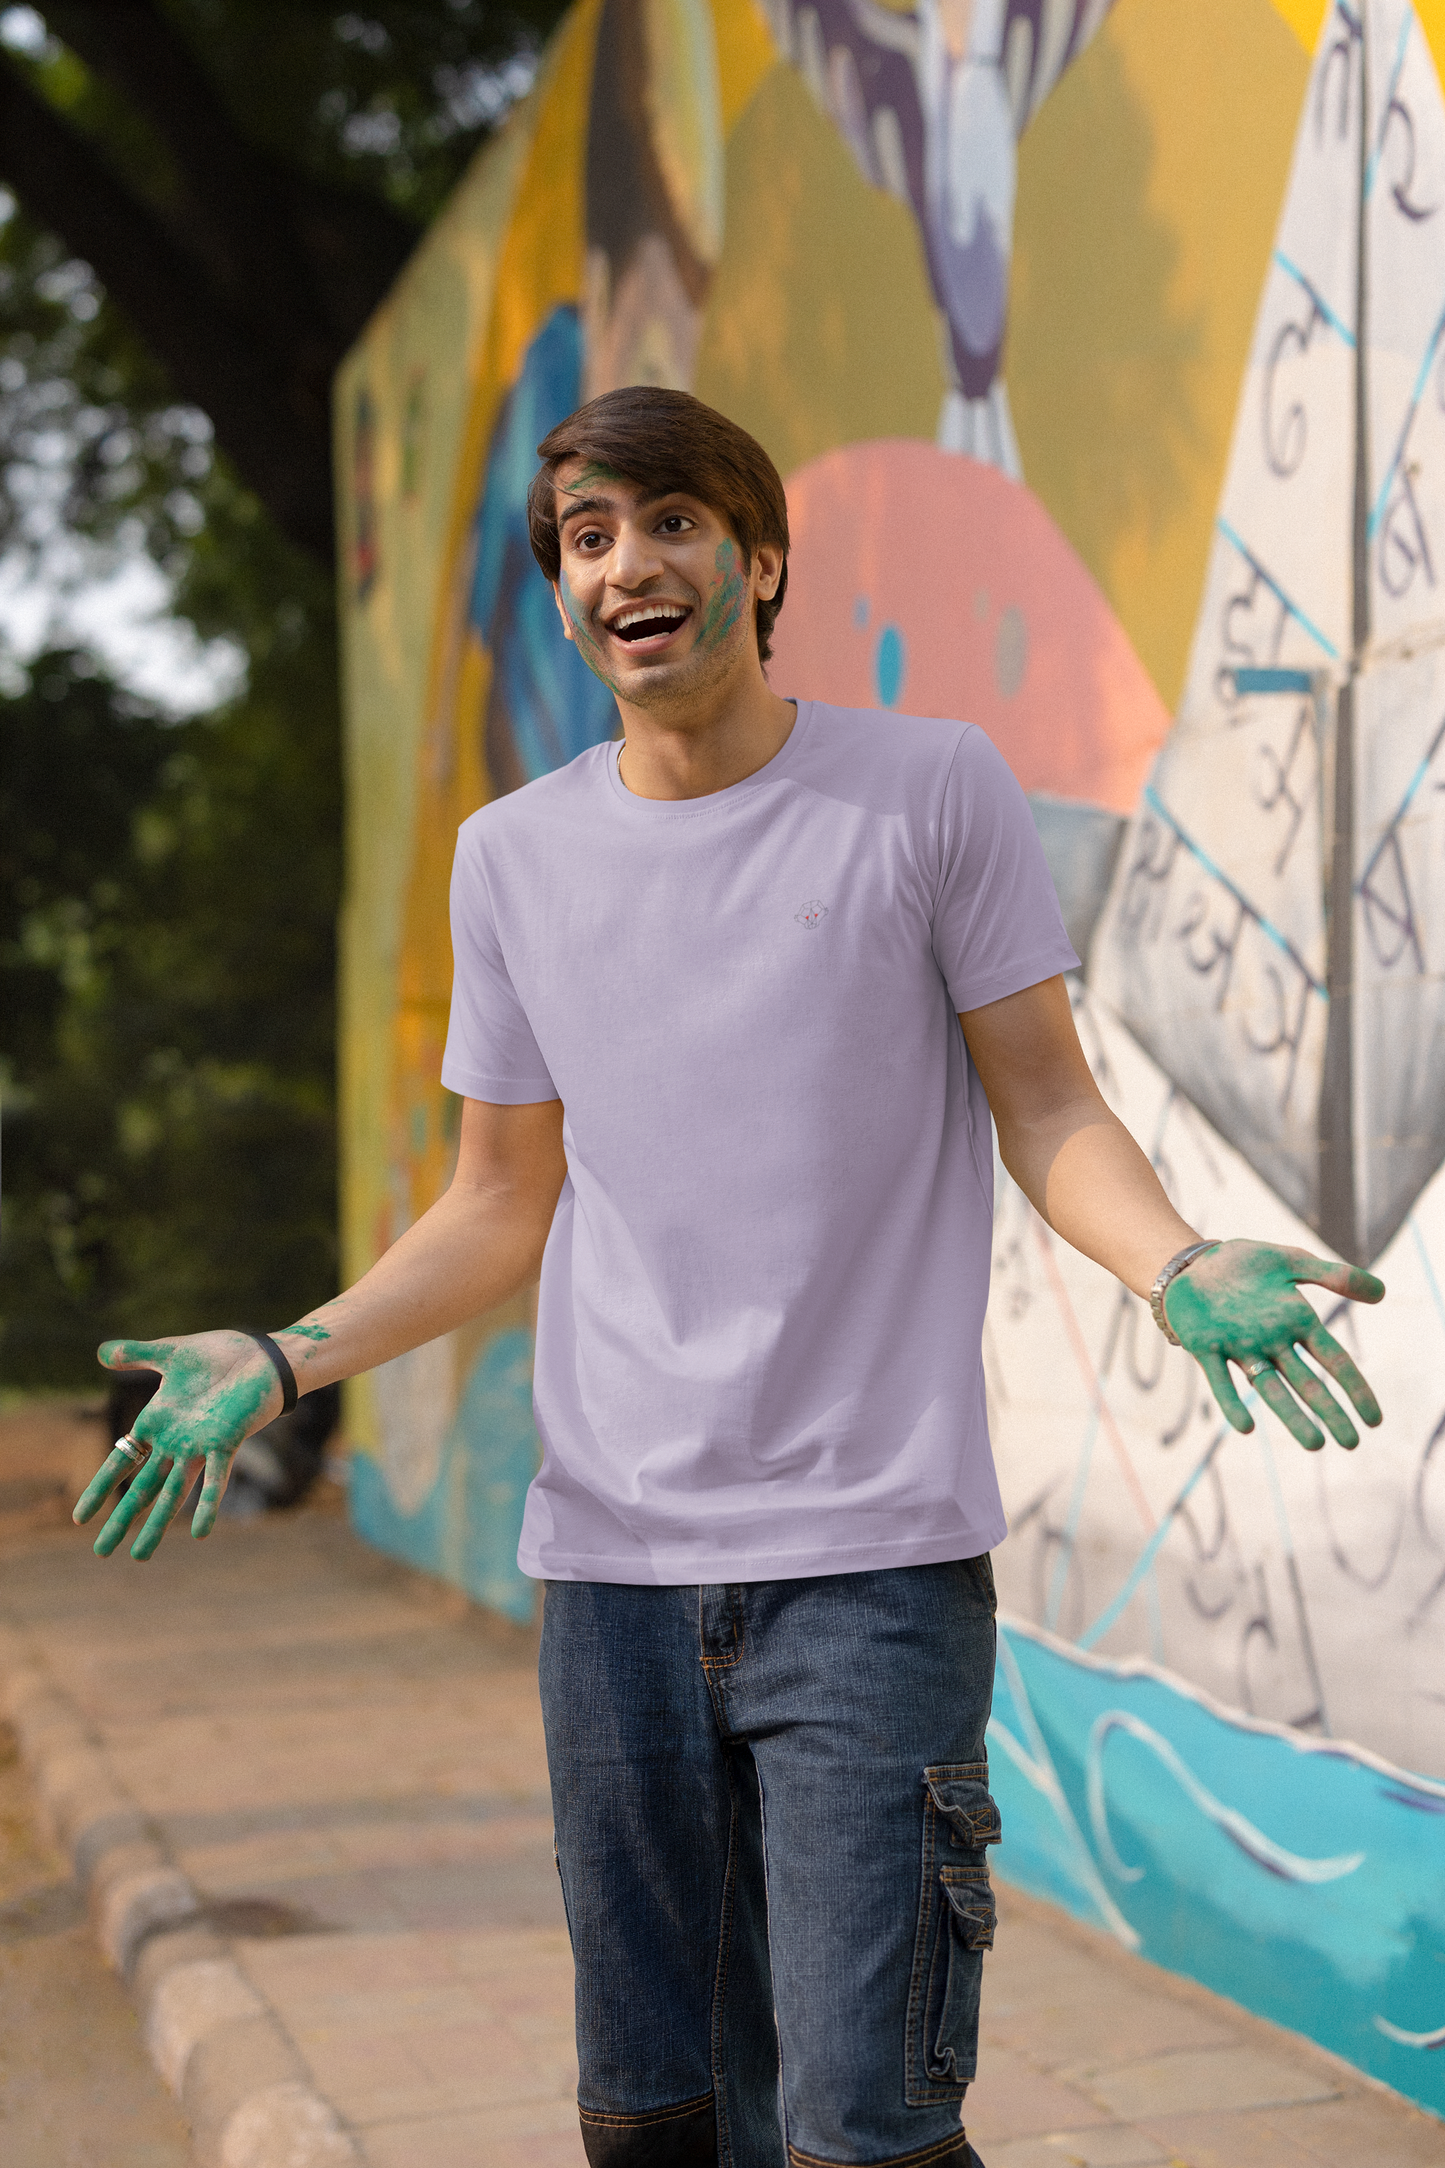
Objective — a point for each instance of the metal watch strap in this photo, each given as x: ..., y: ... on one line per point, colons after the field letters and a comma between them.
x: 282, y: 1368
x: 1178, y: 1263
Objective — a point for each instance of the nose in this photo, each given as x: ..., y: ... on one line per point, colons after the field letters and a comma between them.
x: 635, y: 558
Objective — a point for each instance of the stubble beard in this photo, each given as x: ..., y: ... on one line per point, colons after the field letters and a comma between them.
x: 700, y: 674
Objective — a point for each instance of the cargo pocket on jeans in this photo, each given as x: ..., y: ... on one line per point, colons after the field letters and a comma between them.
x: 955, y: 1927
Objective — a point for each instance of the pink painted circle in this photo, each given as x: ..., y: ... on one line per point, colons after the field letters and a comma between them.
x: 925, y: 582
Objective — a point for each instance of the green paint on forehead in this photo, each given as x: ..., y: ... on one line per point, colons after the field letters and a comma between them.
x: 590, y: 475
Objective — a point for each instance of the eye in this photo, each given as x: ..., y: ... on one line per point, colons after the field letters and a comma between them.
x: 587, y: 540
x: 674, y: 523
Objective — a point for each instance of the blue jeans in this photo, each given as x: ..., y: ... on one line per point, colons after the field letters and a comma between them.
x: 771, y: 1804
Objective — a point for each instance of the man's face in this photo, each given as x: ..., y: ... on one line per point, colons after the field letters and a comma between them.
x: 653, y: 589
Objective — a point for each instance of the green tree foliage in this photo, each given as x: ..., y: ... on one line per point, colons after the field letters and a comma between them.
x: 167, y: 906
x: 246, y: 179
x: 168, y: 888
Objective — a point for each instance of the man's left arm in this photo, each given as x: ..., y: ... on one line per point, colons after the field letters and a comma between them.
x: 1080, y: 1168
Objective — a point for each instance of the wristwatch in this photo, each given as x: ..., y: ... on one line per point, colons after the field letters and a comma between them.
x: 1179, y: 1262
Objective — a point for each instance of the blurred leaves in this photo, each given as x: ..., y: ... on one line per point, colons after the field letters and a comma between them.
x: 246, y: 181
x: 93, y: 442
x: 167, y: 903
x: 392, y: 98
x: 168, y: 888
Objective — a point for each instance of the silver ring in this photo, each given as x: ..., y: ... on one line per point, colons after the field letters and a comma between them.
x: 1256, y: 1369
x: 133, y: 1450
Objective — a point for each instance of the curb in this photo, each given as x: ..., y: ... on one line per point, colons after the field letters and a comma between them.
x: 216, y: 2042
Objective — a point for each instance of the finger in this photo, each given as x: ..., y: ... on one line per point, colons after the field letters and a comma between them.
x: 1221, y: 1384
x: 1330, y: 1356
x: 1352, y: 1281
x: 1276, y: 1396
x: 134, y: 1503
x: 111, y: 1471
x: 131, y: 1354
x: 167, y: 1506
x: 213, y: 1490
x: 1317, y: 1397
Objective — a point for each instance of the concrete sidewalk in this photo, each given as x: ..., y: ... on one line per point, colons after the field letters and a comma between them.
x: 307, y: 1791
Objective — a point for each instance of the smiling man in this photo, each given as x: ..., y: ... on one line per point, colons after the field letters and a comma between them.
x: 706, y: 1021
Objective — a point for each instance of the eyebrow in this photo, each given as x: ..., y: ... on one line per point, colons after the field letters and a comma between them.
x: 606, y: 505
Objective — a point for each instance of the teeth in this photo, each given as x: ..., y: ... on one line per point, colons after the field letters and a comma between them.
x: 646, y: 610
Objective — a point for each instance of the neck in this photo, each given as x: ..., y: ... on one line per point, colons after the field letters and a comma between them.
x: 718, y: 738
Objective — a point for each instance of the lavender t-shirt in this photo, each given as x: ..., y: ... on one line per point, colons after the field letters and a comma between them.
x: 759, y: 1332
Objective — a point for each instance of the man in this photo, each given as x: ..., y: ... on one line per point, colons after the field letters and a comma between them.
x: 709, y: 984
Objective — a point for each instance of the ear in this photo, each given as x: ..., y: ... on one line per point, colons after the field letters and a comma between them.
x: 567, y: 631
x: 769, y: 561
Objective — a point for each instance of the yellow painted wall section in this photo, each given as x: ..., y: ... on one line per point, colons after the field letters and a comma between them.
x: 1304, y: 18
x: 820, y: 328
x: 745, y: 52
x: 1149, y: 188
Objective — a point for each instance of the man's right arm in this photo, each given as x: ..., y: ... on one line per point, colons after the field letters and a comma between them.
x: 480, y: 1242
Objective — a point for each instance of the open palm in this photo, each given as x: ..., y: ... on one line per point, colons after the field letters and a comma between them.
x: 1241, y: 1304
x: 216, y: 1388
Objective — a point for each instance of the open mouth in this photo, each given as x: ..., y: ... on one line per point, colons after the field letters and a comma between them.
x: 649, y: 622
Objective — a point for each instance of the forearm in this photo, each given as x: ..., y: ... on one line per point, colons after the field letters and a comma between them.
x: 1078, y: 1165
x: 469, y: 1252
x: 1087, y: 1177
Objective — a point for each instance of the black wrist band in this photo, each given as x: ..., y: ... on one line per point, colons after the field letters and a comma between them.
x: 283, y: 1369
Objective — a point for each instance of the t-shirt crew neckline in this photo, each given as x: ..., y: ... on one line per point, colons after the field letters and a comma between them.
x: 716, y: 800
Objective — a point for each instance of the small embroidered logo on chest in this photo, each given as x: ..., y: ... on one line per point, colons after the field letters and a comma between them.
x: 812, y: 914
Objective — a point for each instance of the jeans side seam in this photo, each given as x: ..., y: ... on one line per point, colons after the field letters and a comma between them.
x: 719, y: 1991
x: 915, y: 2073
x: 772, y: 1967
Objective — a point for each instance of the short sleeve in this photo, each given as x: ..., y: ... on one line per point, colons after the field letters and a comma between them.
x: 997, y: 927
x: 491, y: 1053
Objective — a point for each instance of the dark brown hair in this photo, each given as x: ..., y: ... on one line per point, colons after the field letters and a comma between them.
x: 667, y: 440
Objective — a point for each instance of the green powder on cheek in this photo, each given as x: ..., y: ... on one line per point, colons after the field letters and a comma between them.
x: 590, y: 647
x: 725, y: 598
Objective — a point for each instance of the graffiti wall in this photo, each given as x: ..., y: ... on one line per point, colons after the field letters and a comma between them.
x: 1102, y: 348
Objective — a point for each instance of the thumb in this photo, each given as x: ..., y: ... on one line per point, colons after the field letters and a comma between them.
x: 132, y: 1354
x: 1351, y: 1281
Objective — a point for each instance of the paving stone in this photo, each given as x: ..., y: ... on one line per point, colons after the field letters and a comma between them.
x: 521, y: 2137
x: 1024, y: 2153
x: 1245, y: 2138
x: 1368, y: 2130
x: 1068, y: 2011
x: 1114, y: 2145
x: 428, y: 2025
x: 1364, y: 2129
x: 1011, y: 2099
x: 1198, y: 2081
